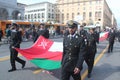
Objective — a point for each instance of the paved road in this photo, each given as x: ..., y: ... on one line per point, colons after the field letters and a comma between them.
x: 107, y: 65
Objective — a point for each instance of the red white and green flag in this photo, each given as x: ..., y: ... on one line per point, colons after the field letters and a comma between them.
x: 47, y: 54
x: 103, y: 36
x: 44, y: 53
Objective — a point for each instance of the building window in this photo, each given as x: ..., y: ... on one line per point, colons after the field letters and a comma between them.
x: 78, y: 13
x: 84, y: 15
x: 35, y: 16
x: 52, y: 15
x: 38, y: 15
x: 28, y: 16
x: 90, y: 14
x: 67, y: 16
x: 62, y: 16
x: 98, y: 15
x: 48, y: 15
x: 25, y: 16
x: 31, y: 16
x: 43, y: 15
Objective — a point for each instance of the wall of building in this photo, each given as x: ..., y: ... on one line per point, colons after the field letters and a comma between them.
x: 9, y: 10
x: 92, y: 11
x: 41, y: 12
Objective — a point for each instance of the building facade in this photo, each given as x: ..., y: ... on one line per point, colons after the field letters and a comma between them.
x: 91, y: 12
x: 11, y: 10
x: 40, y: 12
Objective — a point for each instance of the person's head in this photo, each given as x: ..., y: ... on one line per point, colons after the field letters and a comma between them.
x: 72, y: 26
x: 42, y: 26
x: 81, y: 27
x: 15, y: 26
x: 91, y: 30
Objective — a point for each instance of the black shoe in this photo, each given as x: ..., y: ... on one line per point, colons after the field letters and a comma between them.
x: 11, y: 70
x: 89, y: 75
x: 23, y: 65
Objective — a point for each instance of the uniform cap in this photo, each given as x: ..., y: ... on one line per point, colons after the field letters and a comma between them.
x: 72, y: 24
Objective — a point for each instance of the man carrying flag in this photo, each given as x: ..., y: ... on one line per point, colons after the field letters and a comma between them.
x: 73, y: 52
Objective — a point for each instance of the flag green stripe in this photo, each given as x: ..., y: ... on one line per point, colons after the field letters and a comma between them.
x: 46, y: 64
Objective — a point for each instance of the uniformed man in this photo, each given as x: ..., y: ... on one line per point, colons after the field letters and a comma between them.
x: 97, y: 35
x: 111, y: 38
x: 16, y: 39
x: 83, y: 33
x: 73, y: 52
x: 91, y: 50
x: 42, y: 31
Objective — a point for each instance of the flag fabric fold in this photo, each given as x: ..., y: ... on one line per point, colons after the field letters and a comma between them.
x: 103, y: 36
x: 44, y: 53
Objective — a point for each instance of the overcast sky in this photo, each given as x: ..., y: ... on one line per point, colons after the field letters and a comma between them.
x: 113, y: 4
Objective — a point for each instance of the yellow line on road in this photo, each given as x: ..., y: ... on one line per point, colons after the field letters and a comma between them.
x: 37, y: 71
x: 96, y: 61
x: 7, y: 58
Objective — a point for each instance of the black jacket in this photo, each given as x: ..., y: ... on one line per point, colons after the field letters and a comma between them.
x: 73, y: 52
x: 16, y: 38
x: 44, y: 33
x: 111, y: 36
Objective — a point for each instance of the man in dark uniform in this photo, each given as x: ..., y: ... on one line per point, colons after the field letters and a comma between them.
x: 91, y: 50
x: 111, y: 38
x: 73, y: 52
x: 16, y: 39
x: 42, y: 31
x: 83, y: 33
x: 97, y: 34
x: 1, y: 34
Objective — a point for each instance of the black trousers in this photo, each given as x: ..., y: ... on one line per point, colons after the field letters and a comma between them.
x: 89, y: 59
x: 110, y: 47
x: 14, y: 57
x: 65, y: 75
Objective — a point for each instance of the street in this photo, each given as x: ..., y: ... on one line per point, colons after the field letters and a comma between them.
x: 107, y: 65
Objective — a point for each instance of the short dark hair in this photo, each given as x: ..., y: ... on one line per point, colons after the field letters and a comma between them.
x: 42, y: 24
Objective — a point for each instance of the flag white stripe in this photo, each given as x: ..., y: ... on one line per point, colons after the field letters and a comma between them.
x: 57, y: 46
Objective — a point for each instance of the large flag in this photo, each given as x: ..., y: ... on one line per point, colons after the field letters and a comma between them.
x: 47, y: 54
x: 44, y: 53
x: 103, y: 36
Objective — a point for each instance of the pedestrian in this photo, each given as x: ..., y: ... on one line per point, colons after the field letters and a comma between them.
x: 91, y: 50
x: 118, y: 35
x: 42, y: 31
x: 111, y: 38
x: 34, y: 34
x: 16, y: 39
x: 83, y: 33
x: 1, y: 34
x: 73, y: 53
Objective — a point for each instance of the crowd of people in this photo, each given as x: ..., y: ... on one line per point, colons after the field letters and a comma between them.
x: 82, y: 47
x: 78, y: 46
